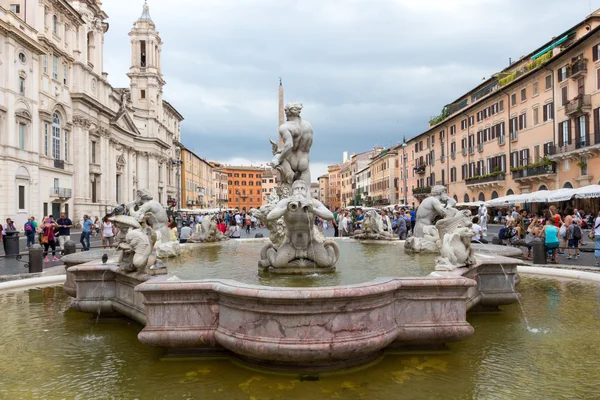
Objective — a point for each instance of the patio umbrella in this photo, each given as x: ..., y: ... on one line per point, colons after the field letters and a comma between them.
x: 506, y: 200
x: 563, y: 194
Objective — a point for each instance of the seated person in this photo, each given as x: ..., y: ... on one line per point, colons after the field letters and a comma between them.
x: 550, y: 232
x: 477, y: 237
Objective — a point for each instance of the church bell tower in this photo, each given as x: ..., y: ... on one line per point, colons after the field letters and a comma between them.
x: 145, y: 73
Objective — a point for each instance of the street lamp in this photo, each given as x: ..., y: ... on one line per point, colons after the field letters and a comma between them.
x: 177, y: 163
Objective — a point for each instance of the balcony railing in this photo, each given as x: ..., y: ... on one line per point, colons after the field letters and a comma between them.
x: 63, y: 193
x: 471, y: 150
x: 453, y: 154
x: 531, y: 171
x: 579, y: 68
x: 464, y: 151
x: 60, y: 164
x: 578, y: 143
x: 442, y: 158
x: 477, y: 180
x: 420, y: 169
x: 480, y: 147
x: 514, y: 136
x: 579, y: 105
x: 501, y: 140
x: 421, y: 191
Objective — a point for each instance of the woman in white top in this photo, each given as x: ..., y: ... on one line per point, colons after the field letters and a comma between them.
x: 596, y: 230
x: 234, y: 231
x: 107, y: 232
x: 477, y: 237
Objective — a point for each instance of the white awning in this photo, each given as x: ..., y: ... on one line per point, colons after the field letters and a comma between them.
x: 587, y: 192
x: 547, y: 196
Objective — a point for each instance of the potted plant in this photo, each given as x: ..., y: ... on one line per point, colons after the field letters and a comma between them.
x: 582, y: 164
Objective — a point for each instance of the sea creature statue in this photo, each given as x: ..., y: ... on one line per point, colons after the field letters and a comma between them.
x: 372, y: 228
x: 209, y: 232
x: 134, y: 242
x: 456, y: 250
x: 301, y: 251
x: 276, y: 227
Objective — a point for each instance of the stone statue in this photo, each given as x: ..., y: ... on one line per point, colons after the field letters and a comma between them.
x: 135, y: 244
x: 372, y: 228
x: 292, y: 160
x: 146, y: 209
x: 276, y: 227
x: 301, y: 251
x: 456, y: 250
x: 209, y: 232
x: 429, y: 236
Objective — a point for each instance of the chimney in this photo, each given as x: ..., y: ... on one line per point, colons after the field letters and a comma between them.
x: 345, y: 157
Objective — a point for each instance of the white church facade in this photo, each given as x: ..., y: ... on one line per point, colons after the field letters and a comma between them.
x: 69, y: 141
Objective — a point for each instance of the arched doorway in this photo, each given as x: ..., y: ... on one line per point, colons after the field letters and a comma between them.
x: 481, y: 196
x: 494, y: 195
x: 466, y: 198
x: 455, y: 197
x: 509, y: 192
x: 543, y: 187
x: 568, y: 185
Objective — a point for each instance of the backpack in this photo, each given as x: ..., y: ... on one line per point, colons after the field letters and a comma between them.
x: 28, y: 227
x: 503, y: 233
x: 577, y: 232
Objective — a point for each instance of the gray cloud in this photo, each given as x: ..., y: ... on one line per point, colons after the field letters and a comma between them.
x: 368, y: 72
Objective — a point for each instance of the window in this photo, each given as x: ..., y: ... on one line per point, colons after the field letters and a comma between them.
x: 22, y: 136
x: 535, y: 88
x: 564, y: 95
x: 562, y: 74
x: 21, y: 197
x: 452, y: 129
x: 236, y: 175
x: 536, y: 116
x: 463, y: 124
x: 45, y: 63
x: 46, y: 139
x: 143, y: 53
x: 55, y: 67
x: 595, y: 51
x: 22, y: 57
x: 56, y: 137
x: 65, y: 74
x: 22, y: 86
x: 258, y: 175
x: 548, y: 82
x: 90, y: 46
x: 243, y: 175
x: 522, y: 121
x: 471, y: 120
x: 142, y: 94
x: 523, y: 94
x: 250, y: 175
x: 513, y: 99
x: 55, y: 24
x: 564, y: 137
x: 501, y: 106
x: 67, y: 148
x: 15, y: 8
x: 548, y: 111
x: 513, y: 126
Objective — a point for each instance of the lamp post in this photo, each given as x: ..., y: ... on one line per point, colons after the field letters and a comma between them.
x: 177, y: 163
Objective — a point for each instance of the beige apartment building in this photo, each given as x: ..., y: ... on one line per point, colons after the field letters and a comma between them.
x: 269, y: 183
x: 533, y: 126
x: 335, y: 187
x: 324, y: 189
x: 196, y: 181
x: 346, y: 183
x: 384, y: 180
x: 220, y: 187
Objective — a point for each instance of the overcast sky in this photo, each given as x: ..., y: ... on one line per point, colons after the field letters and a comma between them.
x: 367, y: 72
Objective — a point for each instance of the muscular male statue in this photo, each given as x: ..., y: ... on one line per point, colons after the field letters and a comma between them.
x: 431, y: 207
x: 145, y: 208
x: 292, y: 159
x: 301, y: 247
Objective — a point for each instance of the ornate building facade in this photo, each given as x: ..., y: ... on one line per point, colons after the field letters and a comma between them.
x: 69, y: 141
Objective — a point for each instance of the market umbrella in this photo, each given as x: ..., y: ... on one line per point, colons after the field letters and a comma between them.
x: 587, y: 192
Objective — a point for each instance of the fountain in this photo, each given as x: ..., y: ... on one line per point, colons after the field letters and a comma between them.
x: 299, y: 328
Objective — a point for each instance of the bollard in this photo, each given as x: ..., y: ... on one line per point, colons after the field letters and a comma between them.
x: 69, y: 247
x: 258, y: 235
x: 36, y: 258
x: 12, y: 243
x: 539, y: 252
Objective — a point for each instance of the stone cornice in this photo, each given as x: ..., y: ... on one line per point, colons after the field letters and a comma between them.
x: 90, y: 101
x: 55, y: 49
x: 63, y: 7
x: 7, y: 29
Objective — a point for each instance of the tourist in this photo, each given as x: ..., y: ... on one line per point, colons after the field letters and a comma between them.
x: 346, y: 222
x: 8, y: 226
x: 48, y: 239
x: 533, y: 235
x: 86, y: 231
x: 64, y: 230
x: 221, y: 226
x: 359, y: 219
x: 173, y: 232
x: 550, y: 232
x: 96, y: 227
x: 30, y: 232
x: 595, y: 236
x: 387, y: 224
x: 107, y: 233
x: 185, y: 234
x: 234, y: 231
x: 477, y: 237
x: 399, y: 226
x: 574, y: 235
x: 413, y: 220
x: 514, y: 214
x: 334, y: 222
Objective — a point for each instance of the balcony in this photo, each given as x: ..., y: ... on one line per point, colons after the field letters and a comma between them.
x: 453, y: 155
x: 579, y: 105
x: 534, y: 173
x: 420, y: 169
x: 488, y: 180
x: 63, y: 193
x: 422, y: 191
x: 514, y: 136
x: 501, y: 140
x: 578, y: 69
x: 60, y: 164
x: 95, y: 169
x: 442, y: 158
x: 480, y: 147
x: 471, y: 149
x: 587, y: 146
x: 464, y: 151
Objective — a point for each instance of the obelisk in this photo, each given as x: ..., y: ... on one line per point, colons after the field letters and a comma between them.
x: 281, y: 112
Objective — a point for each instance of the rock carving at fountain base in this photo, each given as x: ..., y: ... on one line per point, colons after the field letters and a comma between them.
x: 209, y: 233
x: 372, y: 228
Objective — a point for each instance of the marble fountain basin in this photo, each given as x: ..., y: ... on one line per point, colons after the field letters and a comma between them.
x: 300, y: 328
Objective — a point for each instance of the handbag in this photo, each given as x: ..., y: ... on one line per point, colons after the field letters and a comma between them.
x: 44, y: 239
x: 592, y: 235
